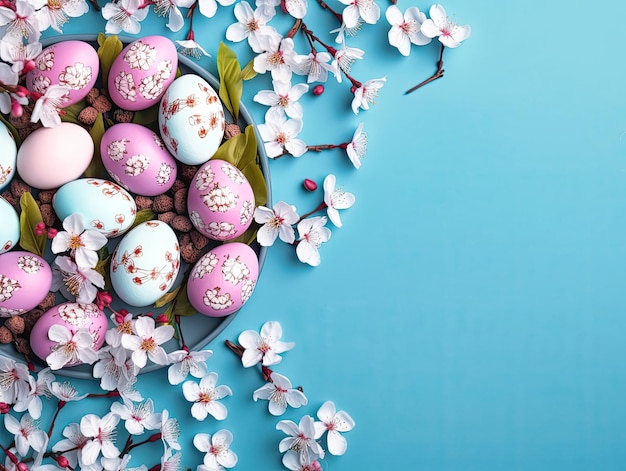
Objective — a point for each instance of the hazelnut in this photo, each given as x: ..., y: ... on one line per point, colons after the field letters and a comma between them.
x: 91, y: 96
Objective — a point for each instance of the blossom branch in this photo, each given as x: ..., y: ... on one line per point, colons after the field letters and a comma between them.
x: 325, y: 6
x: 438, y: 73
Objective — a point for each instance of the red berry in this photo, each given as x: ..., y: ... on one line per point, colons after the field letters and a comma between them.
x: 352, y: 89
x: 318, y: 90
x: 63, y: 462
x: 309, y: 185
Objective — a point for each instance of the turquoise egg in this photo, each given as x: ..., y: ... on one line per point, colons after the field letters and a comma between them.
x: 10, y: 227
x: 105, y: 206
x: 8, y: 155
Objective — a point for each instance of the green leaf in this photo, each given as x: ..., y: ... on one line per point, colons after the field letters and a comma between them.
x: 247, y: 237
x: 250, y: 151
x: 96, y: 167
x: 231, y: 83
x: 102, y: 267
x: 181, y: 305
x: 167, y: 298
x: 30, y: 216
x: 248, y: 72
x: 232, y: 149
x: 12, y: 130
x: 110, y: 48
x: 148, y: 118
x: 257, y: 181
x: 142, y: 216
x: 169, y: 314
x: 70, y: 113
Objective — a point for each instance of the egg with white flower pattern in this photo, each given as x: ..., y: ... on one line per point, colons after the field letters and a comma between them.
x: 7, y: 156
x: 25, y: 279
x: 142, y: 72
x: 10, y: 227
x: 73, y: 316
x: 220, y: 201
x: 223, y: 280
x: 74, y: 64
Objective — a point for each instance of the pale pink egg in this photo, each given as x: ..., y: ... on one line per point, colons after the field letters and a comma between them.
x: 142, y: 72
x: 25, y: 279
x: 220, y: 201
x: 71, y: 63
x: 74, y: 316
x: 136, y: 158
x: 223, y: 279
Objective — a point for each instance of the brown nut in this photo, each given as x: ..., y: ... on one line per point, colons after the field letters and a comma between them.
x: 167, y: 217
x: 15, y: 324
x: 5, y: 335
x: 182, y: 224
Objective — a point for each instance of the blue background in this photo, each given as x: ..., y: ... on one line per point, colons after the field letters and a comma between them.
x: 470, y: 313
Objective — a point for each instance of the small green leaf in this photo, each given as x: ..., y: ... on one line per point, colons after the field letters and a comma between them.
x: 247, y: 237
x: 250, y: 151
x: 70, y: 113
x: 231, y: 83
x: 142, y: 216
x: 30, y: 216
x: 148, y: 118
x: 96, y: 167
x: 12, y: 130
x: 167, y: 298
x: 182, y: 306
x: 232, y: 149
x: 257, y: 181
x: 169, y: 314
x: 110, y: 48
x: 101, y: 38
x: 248, y: 72
x: 102, y: 267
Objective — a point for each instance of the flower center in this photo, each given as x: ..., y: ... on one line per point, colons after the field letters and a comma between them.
x: 282, y: 138
x: 75, y: 242
x: 276, y: 58
x: 148, y: 344
x: 283, y: 101
x: 253, y: 25
x: 205, y: 397
x: 73, y: 284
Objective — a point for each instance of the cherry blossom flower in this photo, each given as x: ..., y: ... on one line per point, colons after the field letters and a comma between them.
x: 54, y: 14
x: 14, y: 383
x: 367, y: 10
x: 111, y: 367
x: 65, y: 391
x: 344, y: 58
x: 291, y: 461
x: 251, y: 25
x: 208, y: 8
x: 276, y: 222
x: 82, y: 243
x: 316, y: 66
x: 335, y: 199
x: 216, y: 448
x: 265, y: 347
x: 101, y: 434
x: 79, y: 283
x: 279, y: 58
x: 357, y: 147
x: 38, y: 387
x: 205, y: 397
x: 170, y: 461
x: 170, y: 430
x: 137, y: 416
x: 333, y: 423
x: 300, y: 440
x: 9, y: 77
x: 47, y: 106
x: 120, y: 464
x: 184, y: 362
x: 268, y: 6
x: 123, y: 323
x: 169, y: 8
x: 21, y: 21
x: 297, y: 8
x: 441, y: 27
x: 312, y: 235
x: 71, y: 348
x: 366, y: 94
x: 344, y: 31
x: 124, y: 15
x: 146, y: 343
x: 279, y: 135
x: 72, y: 444
x: 283, y: 99
x: 280, y: 394
x: 18, y: 53
x: 405, y: 28
x: 27, y: 433
x: 189, y: 47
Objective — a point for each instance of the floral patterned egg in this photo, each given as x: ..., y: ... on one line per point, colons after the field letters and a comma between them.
x: 220, y: 201
x: 104, y: 206
x: 136, y: 158
x: 7, y: 156
x: 191, y: 119
x: 25, y: 279
x: 145, y: 263
x: 10, y: 227
x: 142, y: 72
x: 223, y: 279
x: 71, y: 63
x: 73, y: 316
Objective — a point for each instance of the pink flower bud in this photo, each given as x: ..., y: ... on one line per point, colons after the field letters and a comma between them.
x: 28, y: 66
x: 352, y: 89
x: 4, y: 408
x: 52, y: 232
x: 309, y: 185
x: 161, y: 318
x: 22, y: 467
x: 63, y: 462
x: 16, y: 109
x: 39, y: 229
x: 318, y: 90
x: 22, y: 91
x: 119, y: 318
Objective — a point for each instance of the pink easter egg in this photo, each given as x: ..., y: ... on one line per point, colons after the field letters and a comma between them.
x: 136, y: 158
x: 74, y: 316
x: 25, y: 279
x: 142, y: 72
x: 223, y: 279
x: 71, y: 63
x: 220, y: 201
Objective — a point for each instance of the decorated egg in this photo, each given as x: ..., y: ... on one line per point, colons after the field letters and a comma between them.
x: 145, y: 263
x: 7, y: 156
x: 25, y: 279
x: 103, y: 205
x: 141, y: 73
x: 191, y: 119
x: 220, y: 201
x: 73, y: 316
x: 51, y: 157
x: 71, y: 63
x: 136, y: 158
x: 10, y: 227
x: 223, y: 279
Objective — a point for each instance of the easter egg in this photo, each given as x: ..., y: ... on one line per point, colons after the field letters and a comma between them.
x: 141, y: 73
x: 51, y: 157
x: 25, y: 279
x: 145, y: 263
x: 191, y: 119
x: 10, y: 227
x: 74, y: 64
x: 103, y: 205
x: 223, y: 279
x: 136, y: 158
x: 220, y: 201
x: 7, y: 156
x: 73, y: 316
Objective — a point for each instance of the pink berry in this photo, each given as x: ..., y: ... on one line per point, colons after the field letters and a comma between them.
x: 309, y: 185
x: 52, y: 233
x: 318, y: 90
x: 63, y: 462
